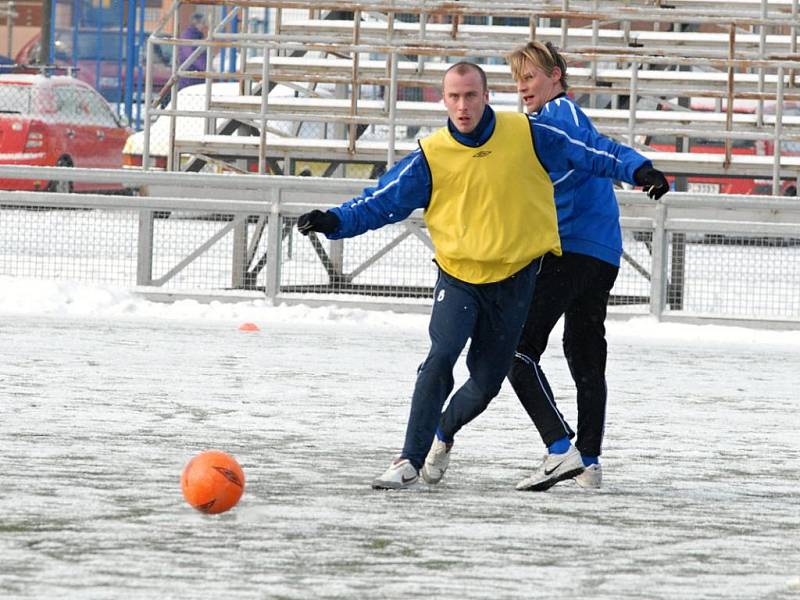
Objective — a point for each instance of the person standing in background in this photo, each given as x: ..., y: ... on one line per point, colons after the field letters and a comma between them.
x: 197, y: 30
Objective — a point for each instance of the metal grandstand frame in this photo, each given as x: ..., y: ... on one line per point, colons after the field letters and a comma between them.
x: 742, y: 61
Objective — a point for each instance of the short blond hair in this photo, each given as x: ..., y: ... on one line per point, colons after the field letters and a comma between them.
x: 544, y: 56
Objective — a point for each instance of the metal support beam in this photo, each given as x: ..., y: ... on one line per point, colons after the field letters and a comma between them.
x: 144, y: 260
x: 274, y: 244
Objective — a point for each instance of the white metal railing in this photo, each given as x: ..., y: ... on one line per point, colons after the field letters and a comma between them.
x: 688, y: 256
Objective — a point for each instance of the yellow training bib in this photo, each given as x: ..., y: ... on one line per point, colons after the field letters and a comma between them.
x: 491, y: 210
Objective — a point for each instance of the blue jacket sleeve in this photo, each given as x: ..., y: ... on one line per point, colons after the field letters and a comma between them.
x: 562, y: 145
x: 401, y: 190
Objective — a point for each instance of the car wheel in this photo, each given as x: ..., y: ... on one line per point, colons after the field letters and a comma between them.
x: 61, y: 187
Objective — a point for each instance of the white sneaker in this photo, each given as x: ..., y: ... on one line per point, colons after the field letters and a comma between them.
x: 436, y: 462
x: 400, y: 474
x: 554, y: 468
x: 591, y: 478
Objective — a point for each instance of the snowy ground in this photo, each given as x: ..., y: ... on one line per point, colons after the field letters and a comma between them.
x: 105, y: 397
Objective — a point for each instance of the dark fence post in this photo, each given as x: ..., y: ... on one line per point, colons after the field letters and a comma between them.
x: 46, y: 50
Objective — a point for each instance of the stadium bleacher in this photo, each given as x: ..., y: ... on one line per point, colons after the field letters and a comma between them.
x: 665, y: 56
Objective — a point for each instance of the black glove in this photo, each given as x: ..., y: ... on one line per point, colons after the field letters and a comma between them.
x: 652, y: 180
x: 316, y: 220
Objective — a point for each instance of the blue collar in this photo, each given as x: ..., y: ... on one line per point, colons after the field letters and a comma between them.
x: 477, y: 136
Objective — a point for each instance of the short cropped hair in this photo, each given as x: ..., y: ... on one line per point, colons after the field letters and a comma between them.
x: 545, y: 56
x: 463, y: 67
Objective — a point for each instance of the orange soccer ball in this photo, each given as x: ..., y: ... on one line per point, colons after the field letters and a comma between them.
x: 212, y: 482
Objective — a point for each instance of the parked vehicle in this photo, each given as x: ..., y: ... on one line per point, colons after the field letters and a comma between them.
x: 100, y: 60
x: 193, y: 98
x: 189, y: 98
x: 57, y: 121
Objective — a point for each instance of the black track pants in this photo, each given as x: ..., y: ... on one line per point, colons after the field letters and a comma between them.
x: 575, y: 286
x: 491, y: 316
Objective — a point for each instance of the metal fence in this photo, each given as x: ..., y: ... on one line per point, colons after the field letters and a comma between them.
x: 688, y: 257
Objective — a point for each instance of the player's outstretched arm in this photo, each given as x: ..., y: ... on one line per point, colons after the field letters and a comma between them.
x: 568, y: 145
x: 400, y: 191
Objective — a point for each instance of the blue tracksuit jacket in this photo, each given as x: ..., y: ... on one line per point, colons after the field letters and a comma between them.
x: 580, y: 161
x: 588, y: 215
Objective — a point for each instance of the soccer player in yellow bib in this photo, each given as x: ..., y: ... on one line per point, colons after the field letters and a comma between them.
x: 488, y: 203
x: 575, y: 285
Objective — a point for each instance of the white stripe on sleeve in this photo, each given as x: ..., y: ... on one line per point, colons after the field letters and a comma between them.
x: 576, y: 142
x: 574, y: 113
x: 563, y: 177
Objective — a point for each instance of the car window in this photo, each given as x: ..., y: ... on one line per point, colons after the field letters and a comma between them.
x: 68, y: 109
x: 43, y: 103
x: 97, y: 110
x: 15, y: 99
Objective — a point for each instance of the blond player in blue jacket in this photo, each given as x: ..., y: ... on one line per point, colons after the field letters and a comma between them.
x: 489, y: 208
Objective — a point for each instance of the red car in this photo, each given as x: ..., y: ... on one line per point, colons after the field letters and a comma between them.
x: 57, y: 121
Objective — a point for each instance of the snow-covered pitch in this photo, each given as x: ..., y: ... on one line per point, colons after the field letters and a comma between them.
x: 105, y: 397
